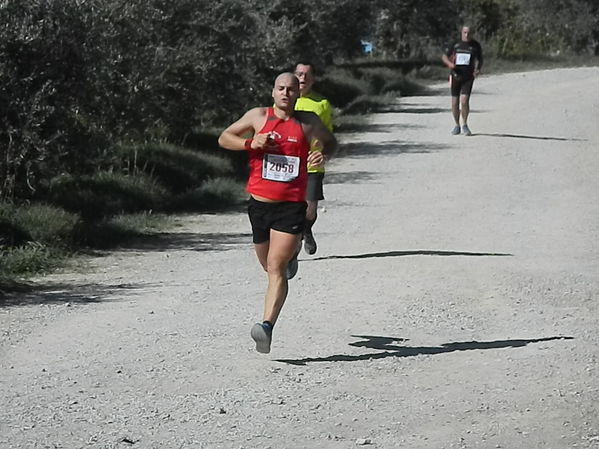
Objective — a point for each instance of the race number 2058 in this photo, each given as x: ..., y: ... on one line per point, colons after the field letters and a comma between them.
x: 277, y: 167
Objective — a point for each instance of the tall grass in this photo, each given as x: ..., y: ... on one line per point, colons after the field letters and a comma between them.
x: 214, y: 194
x: 176, y: 168
x: 106, y: 194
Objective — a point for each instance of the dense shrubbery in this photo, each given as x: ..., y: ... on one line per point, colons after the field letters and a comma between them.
x: 80, y: 77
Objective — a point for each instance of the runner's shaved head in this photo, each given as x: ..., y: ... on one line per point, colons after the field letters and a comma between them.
x: 285, y: 76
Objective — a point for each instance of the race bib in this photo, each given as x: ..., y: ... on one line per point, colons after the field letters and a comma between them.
x: 277, y: 167
x: 462, y: 59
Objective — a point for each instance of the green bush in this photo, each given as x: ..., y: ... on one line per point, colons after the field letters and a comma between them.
x: 388, y: 79
x: 36, y: 223
x: 365, y: 104
x: 46, y: 224
x: 403, y: 86
x: 213, y: 194
x: 340, y: 87
x: 176, y: 168
x: 113, y: 231
x: 106, y: 194
x: 10, y: 234
x: 377, y: 78
x: 28, y: 259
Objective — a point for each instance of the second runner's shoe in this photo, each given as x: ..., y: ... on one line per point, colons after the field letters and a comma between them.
x: 293, y: 264
x: 292, y: 267
x: 309, y: 243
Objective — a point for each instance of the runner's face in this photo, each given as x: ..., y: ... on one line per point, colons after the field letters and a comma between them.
x: 466, y: 34
x: 285, y: 92
x: 305, y: 77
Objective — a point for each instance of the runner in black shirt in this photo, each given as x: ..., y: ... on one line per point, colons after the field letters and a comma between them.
x: 464, y: 59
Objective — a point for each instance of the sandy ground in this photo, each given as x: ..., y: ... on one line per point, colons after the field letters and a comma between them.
x: 452, y: 303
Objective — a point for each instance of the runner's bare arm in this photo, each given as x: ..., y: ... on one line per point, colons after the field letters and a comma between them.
x: 447, y: 61
x: 240, y: 135
x: 320, y: 132
x: 315, y: 130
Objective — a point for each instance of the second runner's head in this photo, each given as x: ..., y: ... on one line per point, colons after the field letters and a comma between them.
x: 305, y: 73
x: 285, y: 91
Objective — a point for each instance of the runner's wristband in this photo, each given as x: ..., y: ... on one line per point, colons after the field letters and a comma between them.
x: 248, y: 144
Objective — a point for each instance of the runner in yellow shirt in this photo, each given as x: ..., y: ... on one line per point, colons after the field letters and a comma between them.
x: 313, y: 102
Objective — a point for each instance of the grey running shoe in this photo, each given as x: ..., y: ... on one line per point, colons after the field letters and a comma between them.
x: 456, y: 130
x: 309, y: 243
x: 292, y: 267
x: 466, y: 130
x: 262, y: 336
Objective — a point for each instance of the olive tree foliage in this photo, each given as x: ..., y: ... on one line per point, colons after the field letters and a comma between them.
x: 410, y: 28
x: 549, y: 27
x: 509, y: 28
x: 324, y: 31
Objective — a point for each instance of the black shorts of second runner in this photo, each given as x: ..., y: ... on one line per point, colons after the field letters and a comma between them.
x: 285, y: 216
x: 314, y: 192
x: 461, y: 86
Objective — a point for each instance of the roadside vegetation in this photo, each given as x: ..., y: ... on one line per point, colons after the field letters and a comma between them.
x: 112, y: 108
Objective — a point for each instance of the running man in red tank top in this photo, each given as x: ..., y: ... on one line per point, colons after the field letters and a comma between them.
x: 278, y: 159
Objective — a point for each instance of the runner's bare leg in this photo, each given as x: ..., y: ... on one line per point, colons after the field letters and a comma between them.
x: 465, y: 106
x: 455, y: 109
x: 274, y: 257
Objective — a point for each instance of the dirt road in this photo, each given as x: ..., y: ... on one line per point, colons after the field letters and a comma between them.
x: 452, y: 303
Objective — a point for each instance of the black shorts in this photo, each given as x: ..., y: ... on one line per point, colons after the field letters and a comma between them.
x: 461, y: 85
x: 314, y: 191
x: 286, y: 217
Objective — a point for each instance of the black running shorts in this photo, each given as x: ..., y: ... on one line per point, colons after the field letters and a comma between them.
x: 286, y: 217
x: 314, y: 192
x: 461, y: 86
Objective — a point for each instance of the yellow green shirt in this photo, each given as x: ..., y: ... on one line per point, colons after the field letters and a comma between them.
x: 318, y: 104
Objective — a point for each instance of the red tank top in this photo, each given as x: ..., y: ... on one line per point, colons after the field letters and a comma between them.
x: 280, y: 174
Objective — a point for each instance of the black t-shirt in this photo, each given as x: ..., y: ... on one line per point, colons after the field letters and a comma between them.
x: 463, y: 55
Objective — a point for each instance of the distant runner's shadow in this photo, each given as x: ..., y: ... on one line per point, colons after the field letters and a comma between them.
x: 422, y: 110
x: 393, y: 350
x: 519, y: 136
x: 419, y: 252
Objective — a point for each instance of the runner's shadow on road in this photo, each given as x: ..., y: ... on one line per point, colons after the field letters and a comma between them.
x: 26, y: 293
x: 419, y: 252
x: 389, y: 349
x: 520, y: 136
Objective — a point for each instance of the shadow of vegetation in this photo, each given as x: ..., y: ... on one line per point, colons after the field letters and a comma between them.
x: 192, y: 241
x: 394, y: 350
x: 353, y: 177
x: 420, y: 252
x: 30, y: 293
x: 520, y: 136
x: 362, y: 127
x: 366, y: 149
